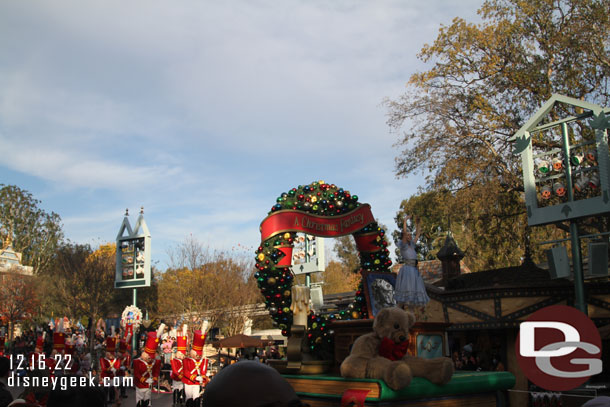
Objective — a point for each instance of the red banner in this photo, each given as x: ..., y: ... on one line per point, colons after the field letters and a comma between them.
x: 324, y: 226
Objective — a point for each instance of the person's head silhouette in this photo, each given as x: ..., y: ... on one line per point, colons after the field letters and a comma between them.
x: 249, y: 384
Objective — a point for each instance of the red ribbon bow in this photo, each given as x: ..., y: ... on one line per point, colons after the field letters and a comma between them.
x: 392, y: 350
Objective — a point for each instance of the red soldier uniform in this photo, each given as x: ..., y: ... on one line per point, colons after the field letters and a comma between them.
x: 71, y: 360
x: 109, y: 365
x: 195, y: 369
x: 125, y: 363
x: 125, y: 357
x: 146, y: 368
x: 178, y: 367
x: 51, y: 362
x: 35, y: 357
x: 1, y: 345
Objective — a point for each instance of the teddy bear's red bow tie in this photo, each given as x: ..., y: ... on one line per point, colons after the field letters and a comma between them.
x: 392, y: 350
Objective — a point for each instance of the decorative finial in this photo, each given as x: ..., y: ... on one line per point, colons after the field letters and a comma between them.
x: 141, y: 210
x: 127, y: 212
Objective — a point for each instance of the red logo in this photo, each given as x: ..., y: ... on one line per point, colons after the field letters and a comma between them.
x: 559, y: 348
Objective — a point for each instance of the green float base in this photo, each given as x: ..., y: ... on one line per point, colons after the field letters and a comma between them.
x: 471, y: 389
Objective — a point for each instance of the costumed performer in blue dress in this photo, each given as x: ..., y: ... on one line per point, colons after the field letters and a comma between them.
x: 410, y: 290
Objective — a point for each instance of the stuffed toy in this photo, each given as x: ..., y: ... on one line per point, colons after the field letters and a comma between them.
x: 382, y: 354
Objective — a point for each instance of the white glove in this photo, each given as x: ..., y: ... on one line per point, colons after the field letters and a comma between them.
x: 199, y: 379
x: 123, y: 368
x: 113, y: 370
x: 149, y: 381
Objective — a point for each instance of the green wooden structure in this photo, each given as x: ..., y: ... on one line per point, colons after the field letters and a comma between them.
x: 575, y: 136
x: 570, y: 179
x: 133, y: 254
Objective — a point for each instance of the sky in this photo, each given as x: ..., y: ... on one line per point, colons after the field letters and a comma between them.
x: 205, y: 112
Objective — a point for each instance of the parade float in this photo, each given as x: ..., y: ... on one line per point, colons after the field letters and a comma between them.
x: 319, y: 342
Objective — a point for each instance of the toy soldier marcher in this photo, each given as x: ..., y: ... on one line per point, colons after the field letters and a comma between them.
x: 125, y: 363
x: 178, y: 367
x: 195, y: 369
x: 54, y: 361
x: 109, y: 366
x: 38, y: 355
x: 71, y: 359
x: 146, y: 368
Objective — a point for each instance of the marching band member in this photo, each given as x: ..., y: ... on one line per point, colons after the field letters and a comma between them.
x: 54, y: 361
x: 195, y: 369
x: 70, y: 358
x: 125, y: 363
x: 146, y: 368
x: 109, y: 366
x: 178, y: 367
x: 38, y: 354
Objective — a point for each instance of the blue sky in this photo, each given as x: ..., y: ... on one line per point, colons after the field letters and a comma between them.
x: 204, y: 112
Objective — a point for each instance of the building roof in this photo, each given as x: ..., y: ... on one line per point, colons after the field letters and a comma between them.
x: 10, y: 260
x: 527, y: 274
x: 450, y: 249
x: 431, y: 271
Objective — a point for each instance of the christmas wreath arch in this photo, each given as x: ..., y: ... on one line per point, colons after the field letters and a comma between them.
x: 318, y: 209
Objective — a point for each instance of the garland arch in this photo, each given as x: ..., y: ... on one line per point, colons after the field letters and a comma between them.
x: 324, y: 210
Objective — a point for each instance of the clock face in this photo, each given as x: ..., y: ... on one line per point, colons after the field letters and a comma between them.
x: 429, y: 346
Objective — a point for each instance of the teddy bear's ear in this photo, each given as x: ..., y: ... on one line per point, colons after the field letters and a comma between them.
x: 381, y: 317
x: 411, y: 318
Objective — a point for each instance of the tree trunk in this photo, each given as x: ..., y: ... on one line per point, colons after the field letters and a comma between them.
x: 94, y: 358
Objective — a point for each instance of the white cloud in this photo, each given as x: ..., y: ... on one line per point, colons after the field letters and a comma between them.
x: 204, y: 112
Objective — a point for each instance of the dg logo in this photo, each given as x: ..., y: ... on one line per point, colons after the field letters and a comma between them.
x: 559, y: 348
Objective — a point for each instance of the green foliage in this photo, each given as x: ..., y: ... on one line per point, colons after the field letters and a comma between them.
x: 35, y: 233
x: 347, y: 253
x: 485, y: 81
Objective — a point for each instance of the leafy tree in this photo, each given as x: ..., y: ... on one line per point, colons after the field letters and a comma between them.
x: 486, y: 80
x: 210, y: 284
x: 430, y: 208
x: 19, y: 299
x: 82, y: 281
x: 347, y: 253
x: 338, y: 278
x: 34, y: 232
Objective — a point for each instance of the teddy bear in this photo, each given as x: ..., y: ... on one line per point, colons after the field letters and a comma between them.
x: 381, y: 354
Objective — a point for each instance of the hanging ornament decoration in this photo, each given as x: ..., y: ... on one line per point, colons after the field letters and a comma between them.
x: 544, y: 167
x: 591, y: 156
x: 581, y: 184
x: 559, y: 189
x: 546, y: 192
x: 131, y: 319
x: 318, y: 209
